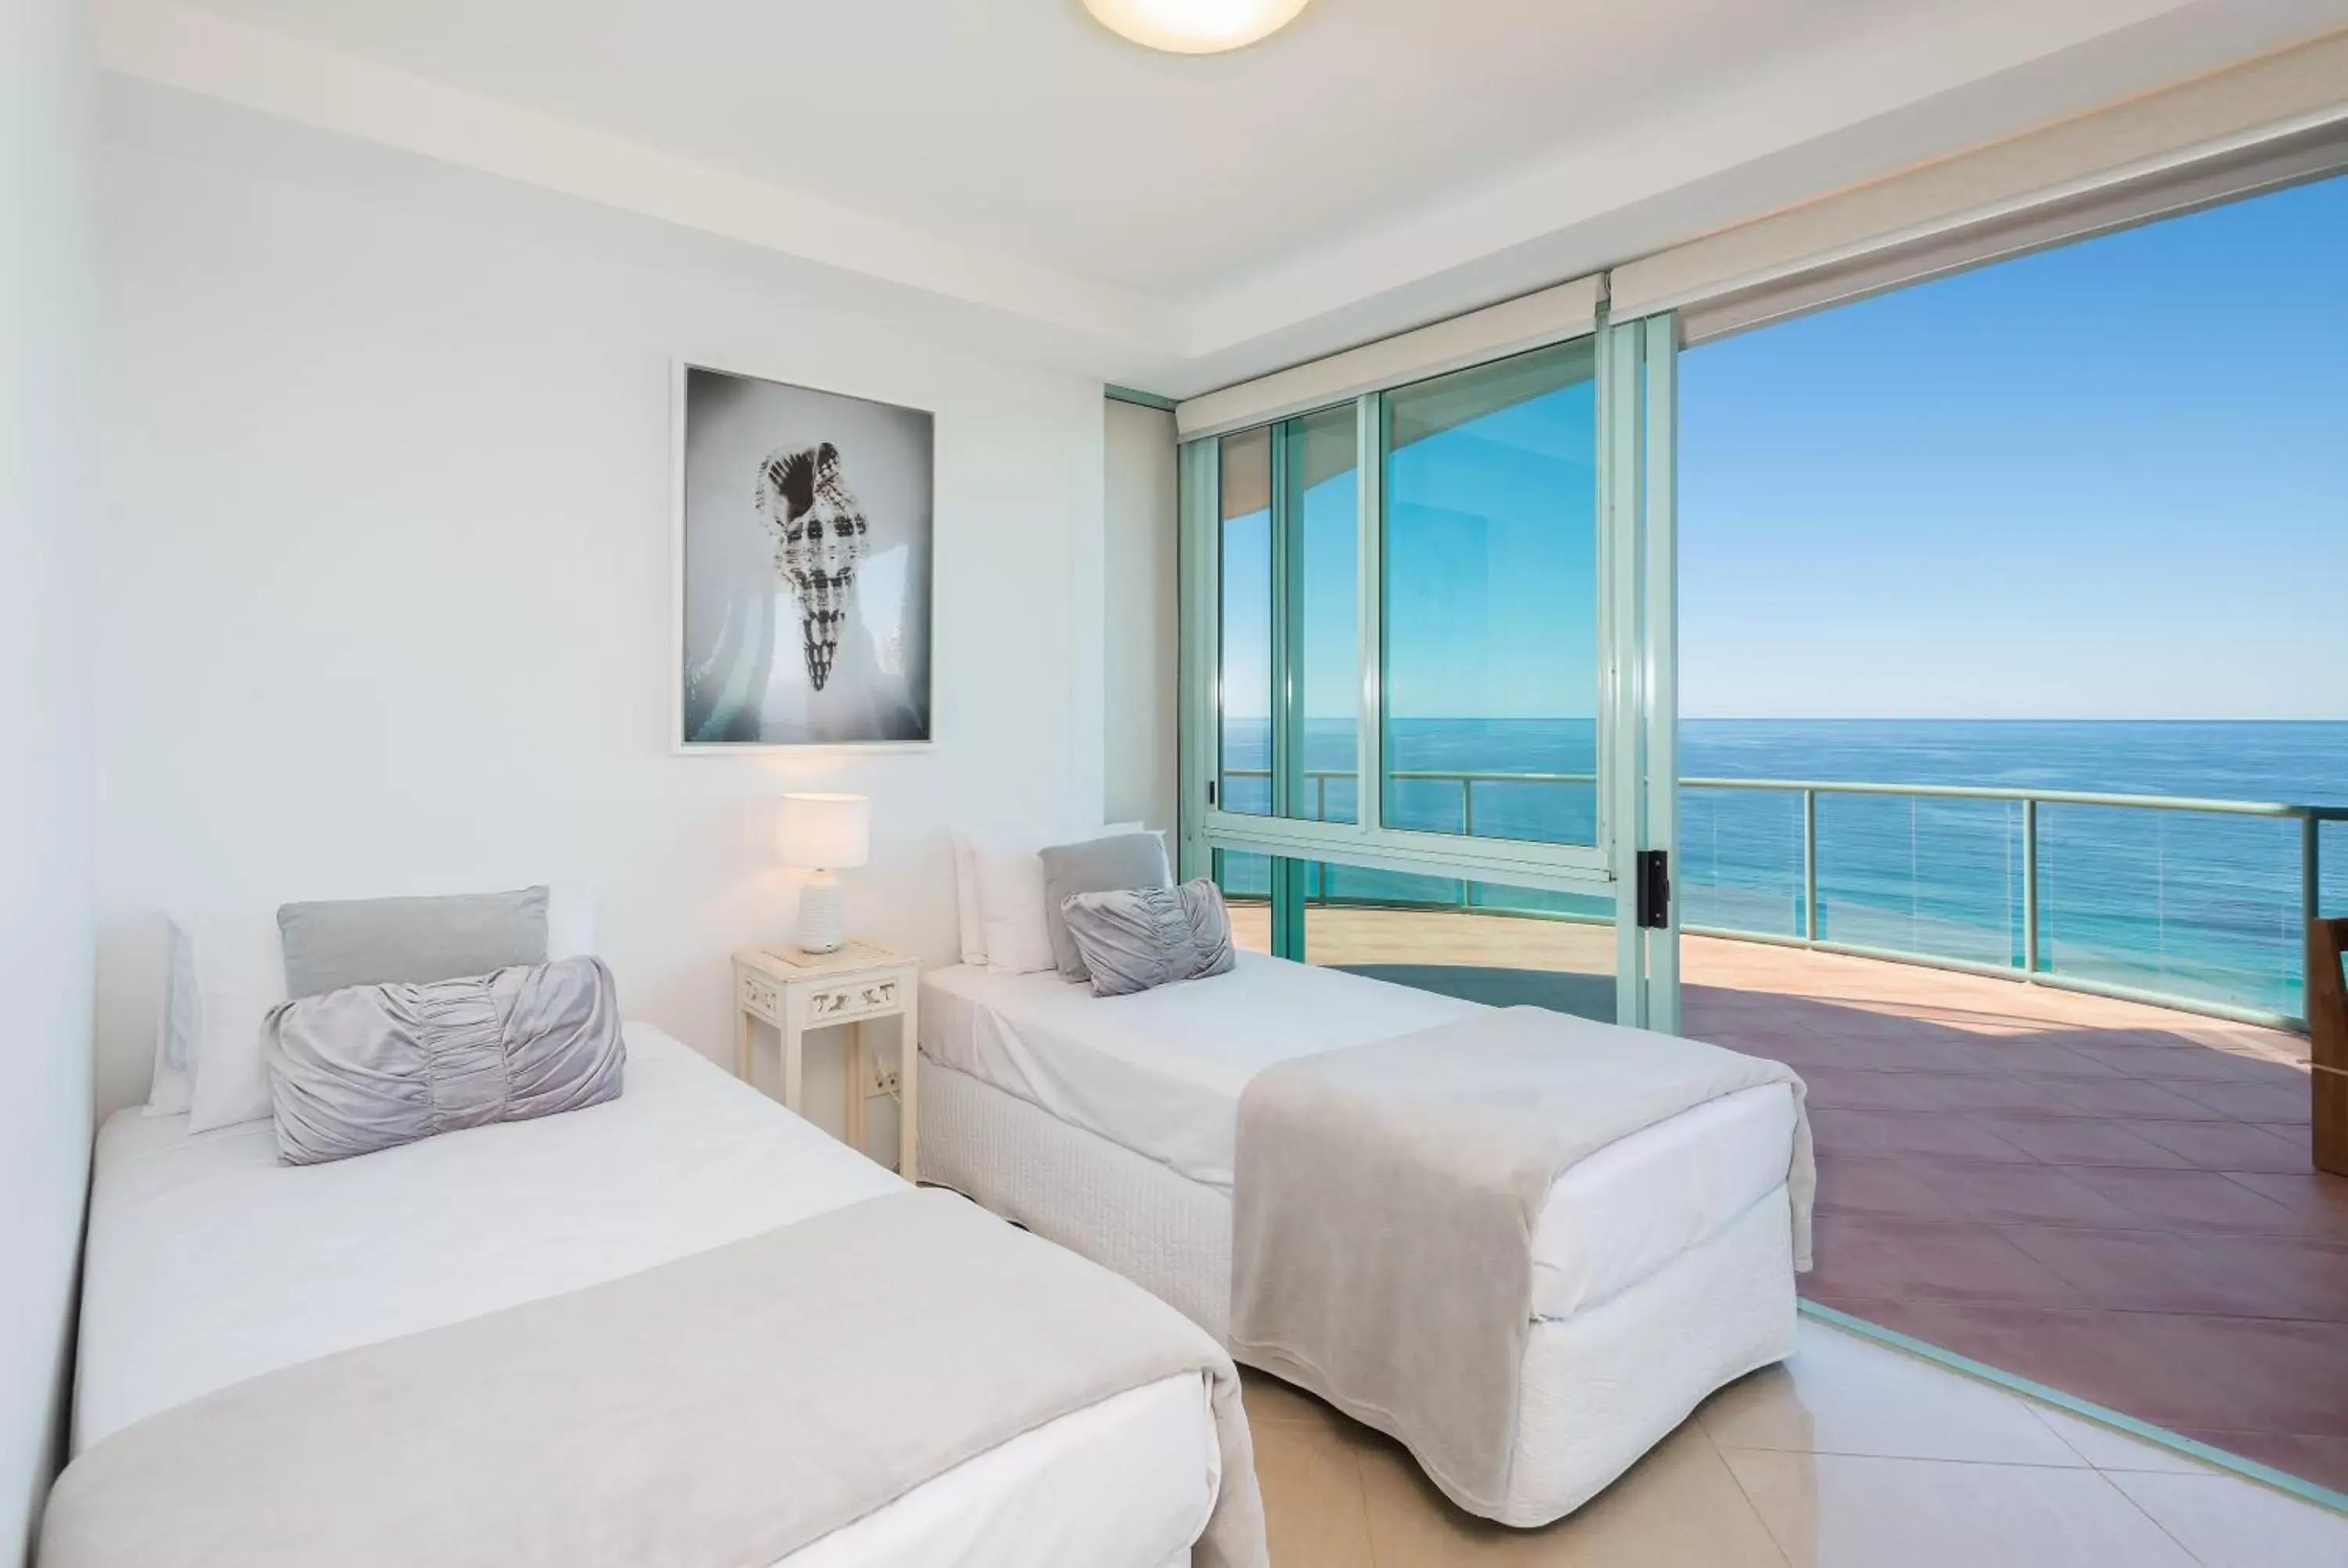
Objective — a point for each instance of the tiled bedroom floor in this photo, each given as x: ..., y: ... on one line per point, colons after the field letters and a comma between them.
x: 1850, y: 1454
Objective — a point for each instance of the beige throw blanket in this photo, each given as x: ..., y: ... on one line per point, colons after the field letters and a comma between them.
x: 1384, y: 1205
x: 720, y: 1411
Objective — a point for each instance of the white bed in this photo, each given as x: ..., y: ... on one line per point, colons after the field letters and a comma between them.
x: 208, y: 1263
x: 1663, y: 1265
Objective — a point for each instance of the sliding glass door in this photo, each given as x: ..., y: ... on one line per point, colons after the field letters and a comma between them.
x: 1429, y: 676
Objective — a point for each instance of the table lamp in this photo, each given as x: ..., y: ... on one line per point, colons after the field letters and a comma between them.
x: 824, y: 834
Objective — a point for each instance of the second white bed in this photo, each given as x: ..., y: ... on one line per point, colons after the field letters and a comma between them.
x: 1160, y: 1073
x: 1663, y: 1265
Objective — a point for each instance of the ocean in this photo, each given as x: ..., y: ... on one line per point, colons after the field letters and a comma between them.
x: 2189, y: 904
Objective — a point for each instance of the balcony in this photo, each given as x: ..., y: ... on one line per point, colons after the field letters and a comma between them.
x: 2086, y: 1163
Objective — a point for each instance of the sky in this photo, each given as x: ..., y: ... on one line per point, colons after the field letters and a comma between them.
x: 2109, y: 480
x: 1491, y: 562
x: 2105, y: 481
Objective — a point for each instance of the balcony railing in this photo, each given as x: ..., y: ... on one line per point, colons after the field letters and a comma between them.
x: 2199, y: 904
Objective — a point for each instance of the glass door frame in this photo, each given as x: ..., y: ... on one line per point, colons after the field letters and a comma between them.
x: 1637, y: 664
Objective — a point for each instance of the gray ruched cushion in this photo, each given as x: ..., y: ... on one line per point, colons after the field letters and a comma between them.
x: 370, y: 1067
x: 1137, y: 939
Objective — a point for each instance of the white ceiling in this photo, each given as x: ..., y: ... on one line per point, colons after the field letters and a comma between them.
x: 1195, y: 219
x: 1021, y: 126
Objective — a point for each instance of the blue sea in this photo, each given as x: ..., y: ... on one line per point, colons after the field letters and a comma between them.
x: 2182, y: 903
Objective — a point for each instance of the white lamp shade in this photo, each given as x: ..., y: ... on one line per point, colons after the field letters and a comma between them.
x: 825, y: 832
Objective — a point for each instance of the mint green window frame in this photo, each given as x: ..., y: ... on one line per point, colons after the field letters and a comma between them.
x: 1637, y: 663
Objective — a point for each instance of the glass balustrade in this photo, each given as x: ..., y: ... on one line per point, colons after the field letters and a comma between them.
x: 2200, y: 905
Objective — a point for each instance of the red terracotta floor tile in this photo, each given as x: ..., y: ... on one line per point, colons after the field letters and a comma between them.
x: 2284, y: 1099
x: 2228, y: 1145
x: 1863, y: 1091
x: 2316, y: 1199
x: 2294, y: 1374
x: 2003, y: 1194
x: 1932, y: 1133
x: 1892, y: 1188
x: 1993, y: 1091
x: 1866, y: 1255
x: 2047, y: 1059
x: 2153, y: 1271
x: 2077, y: 1140
x: 2190, y: 1200
x: 2298, y: 1276
x: 1918, y: 1048
x: 2121, y: 1099
x: 1798, y: 1049
x: 2165, y: 1039
x: 2167, y: 1064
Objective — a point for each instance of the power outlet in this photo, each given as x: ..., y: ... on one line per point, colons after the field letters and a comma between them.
x: 884, y: 1080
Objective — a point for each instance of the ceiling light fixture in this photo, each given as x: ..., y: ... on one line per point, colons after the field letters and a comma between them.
x: 1195, y: 26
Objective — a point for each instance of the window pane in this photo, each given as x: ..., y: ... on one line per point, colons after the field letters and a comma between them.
x: 1246, y: 882
x: 1509, y: 946
x: 1323, y: 484
x: 1490, y: 567
x: 1246, y: 593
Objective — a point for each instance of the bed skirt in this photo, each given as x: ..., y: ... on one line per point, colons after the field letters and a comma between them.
x: 1600, y: 1388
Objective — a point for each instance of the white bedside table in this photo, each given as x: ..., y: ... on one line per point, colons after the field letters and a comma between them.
x: 857, y: 985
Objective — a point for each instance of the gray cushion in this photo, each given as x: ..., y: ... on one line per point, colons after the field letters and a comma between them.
x: 367, y: 1066
x: 1121, y: 861
x: 1142, y: 937
x: 375, y: 941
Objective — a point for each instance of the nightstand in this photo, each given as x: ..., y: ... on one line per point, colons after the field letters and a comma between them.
x: 859, y: 984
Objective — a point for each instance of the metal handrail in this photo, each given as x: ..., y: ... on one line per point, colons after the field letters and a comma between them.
x: 2309, y: 816
x: 1853, y: 786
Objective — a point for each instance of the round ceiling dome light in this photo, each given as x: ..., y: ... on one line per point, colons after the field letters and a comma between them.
x: 1195, y: 26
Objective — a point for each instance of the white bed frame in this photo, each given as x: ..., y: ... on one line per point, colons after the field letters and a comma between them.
x: 1598, y: 1388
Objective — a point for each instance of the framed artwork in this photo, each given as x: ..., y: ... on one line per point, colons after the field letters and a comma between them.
x: 803, y: 532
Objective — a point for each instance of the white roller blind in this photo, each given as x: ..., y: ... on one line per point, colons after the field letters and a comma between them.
x: 2265, y: 123
x: 1552, y: 316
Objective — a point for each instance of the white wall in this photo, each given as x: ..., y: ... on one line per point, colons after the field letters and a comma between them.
x: 1142, y: 562
x: 385, y: 601
x: 47, y: 647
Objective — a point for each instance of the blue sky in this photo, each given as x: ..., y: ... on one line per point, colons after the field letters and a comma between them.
x: 1491, y: 566
x: 1491, y: 562
x: 2105, y: 481
x: 2109, y: 480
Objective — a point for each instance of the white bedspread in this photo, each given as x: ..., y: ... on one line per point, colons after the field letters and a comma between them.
x: 208, y: 1262
x: 1161, y: 1073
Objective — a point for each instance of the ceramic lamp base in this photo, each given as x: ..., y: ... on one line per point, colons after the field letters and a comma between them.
x: 823, y: 915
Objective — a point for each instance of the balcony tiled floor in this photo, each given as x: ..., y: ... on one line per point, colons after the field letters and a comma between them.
x: 2111, y: 1199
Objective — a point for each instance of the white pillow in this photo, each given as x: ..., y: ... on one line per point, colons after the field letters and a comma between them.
x: 177, y: 1026
x: 239, y: 975
x: 974, y: 925
x: 239, y: 967
x: 1009, y: 876
x: 570, y: 920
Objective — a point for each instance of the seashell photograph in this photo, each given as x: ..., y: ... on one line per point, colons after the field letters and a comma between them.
x: 803, y: 528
